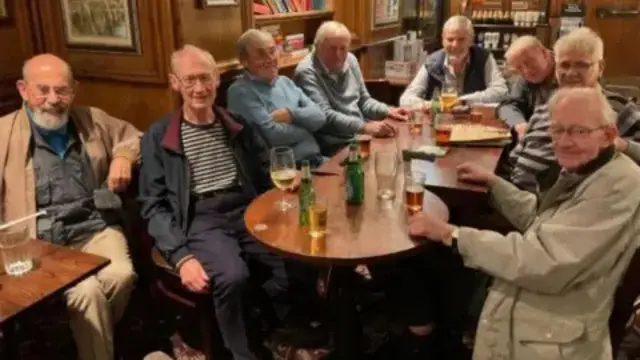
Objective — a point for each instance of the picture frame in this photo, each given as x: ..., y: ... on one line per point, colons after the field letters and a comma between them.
x: 6, y: 11
x: 210, y: 3
x: 385, y: 12
x: 101, y: 25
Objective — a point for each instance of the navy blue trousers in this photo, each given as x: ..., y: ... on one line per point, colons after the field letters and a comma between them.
x: 219, y: 241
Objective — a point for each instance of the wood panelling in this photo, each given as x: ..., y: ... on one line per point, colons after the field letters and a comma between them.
x: 16, y: 35
x: 215, y: 29
x: 137, y: 103
x: 149, y: 65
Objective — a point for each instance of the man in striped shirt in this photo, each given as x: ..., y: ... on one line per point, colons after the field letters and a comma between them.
x: 579, y: 62
x: 200, y: 169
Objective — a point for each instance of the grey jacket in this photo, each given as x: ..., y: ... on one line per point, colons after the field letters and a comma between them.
x: 555, y: 280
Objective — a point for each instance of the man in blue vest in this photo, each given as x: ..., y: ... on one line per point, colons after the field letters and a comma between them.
x: 460, y: 65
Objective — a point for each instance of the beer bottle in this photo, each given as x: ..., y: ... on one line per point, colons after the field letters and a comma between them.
x: 354, y: 176
x: 306, y: 194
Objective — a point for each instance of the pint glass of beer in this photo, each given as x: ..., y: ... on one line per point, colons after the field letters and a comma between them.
x: 415, y: 122
x: 414, y: 192
x: 448, y: 98
x: 318, y: 218
x: 364, y: 145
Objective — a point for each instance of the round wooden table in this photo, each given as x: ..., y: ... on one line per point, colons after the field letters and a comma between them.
x: 373, y: 232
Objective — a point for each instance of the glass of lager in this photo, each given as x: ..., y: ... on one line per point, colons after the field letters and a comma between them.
x: 414, y: 191
x: 318, y: 217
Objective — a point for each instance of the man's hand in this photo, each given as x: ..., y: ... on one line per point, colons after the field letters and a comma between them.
x: 621, y: 144
x: 426, y: 225
x: 193, y: 276
x: 119, y: 174
x: 281, y: 115
x: 476, y: 174
x: 520, y: 130
x: 379, y: 129
x: 399, y: 114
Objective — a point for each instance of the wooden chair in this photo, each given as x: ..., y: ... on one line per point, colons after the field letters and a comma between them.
x: 167, y: 287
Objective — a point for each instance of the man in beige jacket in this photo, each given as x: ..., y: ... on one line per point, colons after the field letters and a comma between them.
x: 76, y: 158
x: 554, y: 280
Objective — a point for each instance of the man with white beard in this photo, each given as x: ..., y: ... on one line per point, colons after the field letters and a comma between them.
x: 76, y: 158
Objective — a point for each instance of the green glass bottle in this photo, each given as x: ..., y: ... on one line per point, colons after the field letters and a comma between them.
x: 354, y: 176
x: 306, y: 193
x: 435, y: 103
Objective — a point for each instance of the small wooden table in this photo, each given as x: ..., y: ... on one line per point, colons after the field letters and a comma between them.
x: 56, y: 269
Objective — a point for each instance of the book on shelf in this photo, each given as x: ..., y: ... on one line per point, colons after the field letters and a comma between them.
x: 267, y: 7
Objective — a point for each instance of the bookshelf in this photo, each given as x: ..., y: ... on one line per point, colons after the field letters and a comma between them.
x: 293, y: 24
x: 293, y: 16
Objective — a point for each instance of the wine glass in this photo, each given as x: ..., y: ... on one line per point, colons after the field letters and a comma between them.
x: 283, y: 172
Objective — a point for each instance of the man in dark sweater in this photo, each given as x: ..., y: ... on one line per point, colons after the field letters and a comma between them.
x: 535, y: 81
x: 200, y: 170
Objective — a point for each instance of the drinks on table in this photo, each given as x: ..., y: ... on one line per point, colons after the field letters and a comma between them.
x: 414, y: 192
x: 283, y: 172
x: 283, y: 179
x: 354, y: 176
x: 318, y: 218
x: 386, y: 166
x: 448, y: 98
x: 415, y: 122
x: 364, y: 145
x: 16, y: 251
x: 306, y: 194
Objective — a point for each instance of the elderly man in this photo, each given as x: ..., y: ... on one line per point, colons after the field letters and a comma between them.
x: 579, y: 62
x: 273, y: 104
x: 555, y: 277
x: 200, y: 169
x: 75, y: 158
x: 331, y: 77
x: 460, y: 65
x: 534, y: 65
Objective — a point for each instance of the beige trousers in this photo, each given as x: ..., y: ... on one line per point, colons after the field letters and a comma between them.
x: 98, y: 302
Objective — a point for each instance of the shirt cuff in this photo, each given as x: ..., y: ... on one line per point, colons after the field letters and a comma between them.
x: 179, y: 257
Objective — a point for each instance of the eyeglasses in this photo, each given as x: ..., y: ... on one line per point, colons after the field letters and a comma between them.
x: 63, y: 92
x: 581, y: 66
x: 191, y: 80
x: 574, y: 131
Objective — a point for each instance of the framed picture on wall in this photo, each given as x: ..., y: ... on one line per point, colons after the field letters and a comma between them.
x: 206, y: 3
x: 385, y: 12
x: 107, y: 25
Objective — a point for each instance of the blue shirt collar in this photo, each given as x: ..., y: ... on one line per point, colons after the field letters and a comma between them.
x: 261, y: 80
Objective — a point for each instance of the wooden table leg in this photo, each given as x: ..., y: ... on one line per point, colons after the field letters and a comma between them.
x: 10, y: 341
x: 348, y: 328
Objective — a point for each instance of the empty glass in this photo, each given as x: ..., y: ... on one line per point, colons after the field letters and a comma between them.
x: 386, y: 166
x: 16, y: 252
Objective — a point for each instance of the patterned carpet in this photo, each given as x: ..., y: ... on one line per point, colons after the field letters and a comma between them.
x: 45, y: 335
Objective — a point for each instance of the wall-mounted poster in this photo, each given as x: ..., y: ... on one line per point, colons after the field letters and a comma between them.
x: 385, y: 12
x: 101, y: 24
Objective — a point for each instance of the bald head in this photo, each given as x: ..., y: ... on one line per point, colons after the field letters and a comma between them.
x: 46, y: 65
x: 47, y: 87
x: 189, y: 54
x: 581, y: 125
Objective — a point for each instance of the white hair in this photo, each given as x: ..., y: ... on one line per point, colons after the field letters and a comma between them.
x: 203, y: 54
x: 606, y: 115
x: 582, y: 40
x: 460, y: 22
x: 522, y: 44
x: 331, y: 29
x: 251, y: 36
